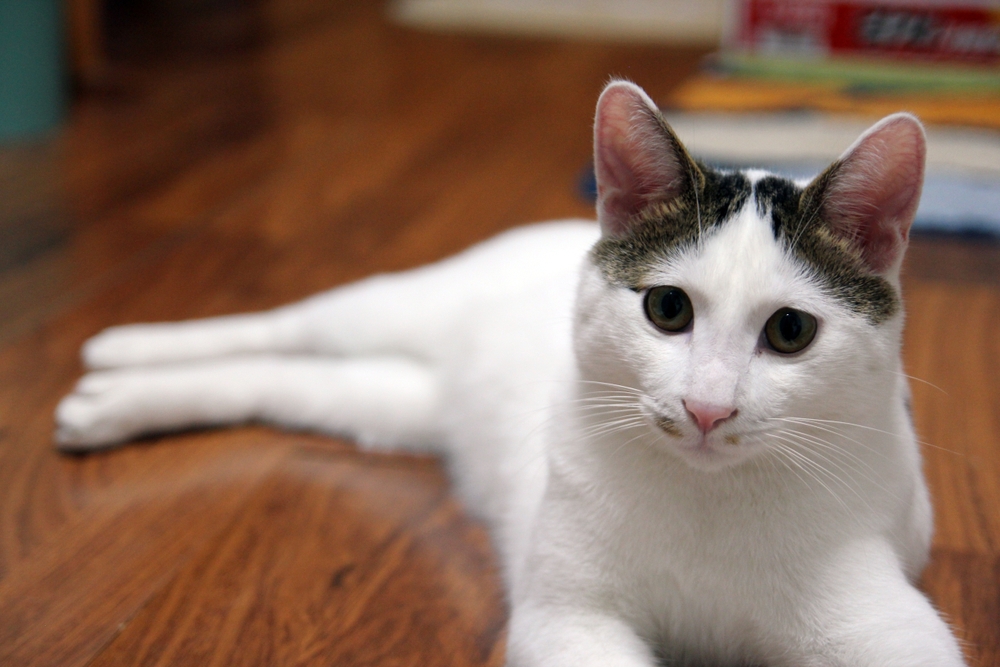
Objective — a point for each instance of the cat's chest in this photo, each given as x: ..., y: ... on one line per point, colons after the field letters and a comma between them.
x: 655, y: 541
x: 689, y: 573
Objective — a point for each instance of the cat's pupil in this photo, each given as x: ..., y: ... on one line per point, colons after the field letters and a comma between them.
x: 672, y: 304
x: 790, y: 326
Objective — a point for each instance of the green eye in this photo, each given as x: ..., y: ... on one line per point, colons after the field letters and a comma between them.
x: 669, y: 308
x: 790, y: 330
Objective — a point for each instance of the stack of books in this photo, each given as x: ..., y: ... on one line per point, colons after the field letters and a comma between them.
x: 793, y: 75
x: 901, y: 43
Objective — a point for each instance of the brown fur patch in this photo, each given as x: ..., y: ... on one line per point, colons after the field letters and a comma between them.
x: 668, y: 426
x: 665, y: 228
x: 796, y: 218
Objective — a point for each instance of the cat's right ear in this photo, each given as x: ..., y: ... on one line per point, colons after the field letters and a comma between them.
x: 638, y: 160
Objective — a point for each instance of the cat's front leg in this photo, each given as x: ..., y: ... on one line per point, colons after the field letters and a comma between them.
x: 554, y: 635
x: 871, y: 616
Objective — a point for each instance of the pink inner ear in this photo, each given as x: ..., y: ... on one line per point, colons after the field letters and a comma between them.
x: 634, y: 160
x: 873, y: 197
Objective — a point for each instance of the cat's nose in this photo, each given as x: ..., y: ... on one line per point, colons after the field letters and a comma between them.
x: 706, y: 415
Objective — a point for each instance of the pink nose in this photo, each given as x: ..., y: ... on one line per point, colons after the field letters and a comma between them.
x: 706, y: 415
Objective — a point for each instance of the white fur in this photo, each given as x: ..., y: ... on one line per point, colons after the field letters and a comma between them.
x: 621, y: 545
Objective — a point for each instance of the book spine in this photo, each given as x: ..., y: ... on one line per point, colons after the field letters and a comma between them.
x: 899, y: 30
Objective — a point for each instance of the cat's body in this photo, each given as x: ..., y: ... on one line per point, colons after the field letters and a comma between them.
x: 659, y: 486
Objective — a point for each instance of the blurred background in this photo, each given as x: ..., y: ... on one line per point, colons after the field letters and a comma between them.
x: 109, y: 105
x: 170, y: 159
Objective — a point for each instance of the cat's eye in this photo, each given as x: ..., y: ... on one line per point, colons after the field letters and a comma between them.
x: 669, y: 308
x: 789, y: 330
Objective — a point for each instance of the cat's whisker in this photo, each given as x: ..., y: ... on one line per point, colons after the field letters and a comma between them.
x: 610, y: 425
x: 856, y: 492
x: 598, y: 405
x: 613, y: 404
x: 782, y: 453
x: 607, y: 428
x: 801, y: 462
x: 609, y: 414
x: 851, y: 458
x: 613, y: 417
x: 627, y: 443
x: 697, y: 204
x: 880, y: 482
x: 622, y: 387
x: 870, y: 428
x: 789, y: 445
x: 626, y: 416
x: 803, y: 226
x: 818, y: 470
x: 602, y: 428
x: 587, y: 401
x: 777, y: 470
x: 843, y: 457
x: 835, y: 433
x: 920, y: 380
x: 604, y: 400
x: 840, y: 467
x: 597, y: 408
x: 828, y: 427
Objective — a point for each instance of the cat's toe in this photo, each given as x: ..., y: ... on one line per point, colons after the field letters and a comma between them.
x: 119, y: 346
x: 70, y: 438
x: 94, y: 384
x: 87, y: 421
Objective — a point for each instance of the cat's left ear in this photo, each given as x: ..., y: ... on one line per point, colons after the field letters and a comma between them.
x: 638, y: 160
x: 869, y: 197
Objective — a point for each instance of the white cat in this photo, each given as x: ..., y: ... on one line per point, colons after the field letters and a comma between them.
x: 686, y: 426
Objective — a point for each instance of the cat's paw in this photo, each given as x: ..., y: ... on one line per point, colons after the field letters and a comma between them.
x: 129, y: 345
x: 96, y: 415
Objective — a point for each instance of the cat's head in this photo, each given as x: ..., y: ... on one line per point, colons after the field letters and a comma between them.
x: 733, y: 300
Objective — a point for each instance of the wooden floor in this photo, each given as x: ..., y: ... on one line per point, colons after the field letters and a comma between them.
x: 247, y: 155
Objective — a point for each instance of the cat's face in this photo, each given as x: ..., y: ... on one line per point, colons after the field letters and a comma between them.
x: 732, y: 303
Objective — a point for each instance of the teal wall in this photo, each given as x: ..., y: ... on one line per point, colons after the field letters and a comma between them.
x: 32, y: 67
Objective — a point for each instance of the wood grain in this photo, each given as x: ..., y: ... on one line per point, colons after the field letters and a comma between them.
x: 68, y: 598
x: 240, y: 155
x: 952, y: 352
x: 381, y: 555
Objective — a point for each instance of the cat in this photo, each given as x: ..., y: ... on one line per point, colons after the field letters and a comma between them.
x: 686, y: 424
